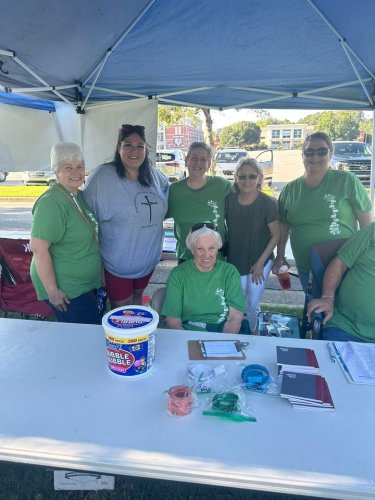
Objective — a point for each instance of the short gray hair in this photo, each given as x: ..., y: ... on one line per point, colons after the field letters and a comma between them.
x: 64, y: 151
x: 193, y: 237
x: 202, y: 145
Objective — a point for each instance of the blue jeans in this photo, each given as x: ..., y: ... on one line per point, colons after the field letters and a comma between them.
x: 336, y: 333
x: 304, y: 279
x: 82, y: 309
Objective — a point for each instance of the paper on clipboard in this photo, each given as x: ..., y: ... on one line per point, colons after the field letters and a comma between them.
x: 357, y: 361
x: 216, y: 349
x: 221, y: 349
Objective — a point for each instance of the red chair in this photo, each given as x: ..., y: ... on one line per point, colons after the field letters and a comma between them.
x: 17, y: 293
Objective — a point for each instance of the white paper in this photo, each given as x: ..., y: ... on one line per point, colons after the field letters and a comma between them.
x: 75, y: 480
x: 359, y: 360
x: 222, y: 349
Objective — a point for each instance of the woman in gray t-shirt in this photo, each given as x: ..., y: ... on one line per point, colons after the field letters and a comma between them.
x: 129, y: 199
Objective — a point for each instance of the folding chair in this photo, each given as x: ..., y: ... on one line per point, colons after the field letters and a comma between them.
x: 17, y: 293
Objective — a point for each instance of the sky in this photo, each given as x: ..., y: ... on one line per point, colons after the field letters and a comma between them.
x: 223, y: 118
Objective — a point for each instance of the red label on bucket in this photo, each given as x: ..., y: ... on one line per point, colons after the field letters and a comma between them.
x: 129, y: 359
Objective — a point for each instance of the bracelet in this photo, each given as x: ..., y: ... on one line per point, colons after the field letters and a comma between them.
x: 328, y: 297
x: 255, y: 376
x: 225, y: 402
x: 180, y: 400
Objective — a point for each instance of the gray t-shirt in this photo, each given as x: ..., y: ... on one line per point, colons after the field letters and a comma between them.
x: 130, y: 220
x: 248, y: 232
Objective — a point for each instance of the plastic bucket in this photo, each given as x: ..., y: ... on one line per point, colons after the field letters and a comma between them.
x: 130, y: 339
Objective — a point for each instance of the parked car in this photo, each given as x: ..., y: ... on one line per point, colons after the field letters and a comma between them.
x: 3, y: 175
x: 38, y: 177
x: 353, y: 156
x: 226, y: 161
x: 172, y: 163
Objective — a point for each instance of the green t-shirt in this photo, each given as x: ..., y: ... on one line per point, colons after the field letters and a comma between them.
x: 248, y: 232
x: 321, y: 213
x: 74, y: 251
x: 188, y: 206
x: 193, y: 295
x: 355, y: 299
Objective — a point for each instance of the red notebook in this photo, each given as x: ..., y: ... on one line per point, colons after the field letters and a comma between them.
x: 297, y: 359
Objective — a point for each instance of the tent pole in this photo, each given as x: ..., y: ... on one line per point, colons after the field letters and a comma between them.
x: 372, y: 177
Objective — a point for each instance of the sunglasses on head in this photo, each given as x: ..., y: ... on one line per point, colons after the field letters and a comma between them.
x: 310, y: 152
x: 243, y: 177
x: 199, y: 225
x: 126, y: 127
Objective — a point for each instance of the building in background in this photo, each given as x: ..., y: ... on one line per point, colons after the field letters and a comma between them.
x: 286, y: 136
x: 179, y: 136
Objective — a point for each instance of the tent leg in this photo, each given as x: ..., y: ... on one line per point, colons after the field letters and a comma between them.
x: 372, y: 177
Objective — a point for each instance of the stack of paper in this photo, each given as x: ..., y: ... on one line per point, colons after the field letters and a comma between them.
x: 297, y: 359
x: 357, y: 361
x: 306, y: 392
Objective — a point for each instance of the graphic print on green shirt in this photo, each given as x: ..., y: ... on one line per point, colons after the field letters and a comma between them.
x: 74, y: 251
x: 321, y: 213
x: 205, y: 297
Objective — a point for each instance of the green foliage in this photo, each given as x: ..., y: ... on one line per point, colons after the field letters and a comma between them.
x: 240, y: 134
x: 176, y: 115
x: 339, y: 125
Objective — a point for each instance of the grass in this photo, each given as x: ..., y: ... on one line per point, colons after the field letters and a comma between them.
x: 17, y: 192
x: 22, y: 191
x: 285, y: 309
x: 29, y: 482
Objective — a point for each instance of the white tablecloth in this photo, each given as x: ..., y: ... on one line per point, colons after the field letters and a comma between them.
x: 61, y: 407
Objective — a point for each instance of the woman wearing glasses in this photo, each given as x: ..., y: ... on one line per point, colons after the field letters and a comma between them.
x: 321, y: 205
x: 198, y: 197
x: 129, y: 199
x: 253, y: 233
x: 204, y: 293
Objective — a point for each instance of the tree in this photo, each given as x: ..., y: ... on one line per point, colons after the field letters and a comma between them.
x: 339, y: 125
x: 240, y: 134
x: 176, y: 115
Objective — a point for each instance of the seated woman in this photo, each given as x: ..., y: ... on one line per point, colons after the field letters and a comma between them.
x: 204, y: 293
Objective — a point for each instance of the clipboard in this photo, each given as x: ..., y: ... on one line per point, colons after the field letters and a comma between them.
x: 196, y: 350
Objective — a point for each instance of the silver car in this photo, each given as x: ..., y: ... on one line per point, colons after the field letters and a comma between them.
x: 172, y: 163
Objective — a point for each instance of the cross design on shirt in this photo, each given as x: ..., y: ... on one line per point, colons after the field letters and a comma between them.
x: 149, y: 203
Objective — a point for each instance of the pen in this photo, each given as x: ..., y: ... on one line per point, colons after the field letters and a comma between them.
x: 203, y: 349
x: 331, y: 351
x: 342, y: 362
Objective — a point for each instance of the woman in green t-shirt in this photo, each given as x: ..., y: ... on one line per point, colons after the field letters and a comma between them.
x: 322, y: 205
x: 204, y: 293
x: 66, y: 269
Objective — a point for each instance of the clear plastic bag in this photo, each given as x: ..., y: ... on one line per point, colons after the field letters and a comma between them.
x: 204, y: 378
x: 257, y: 378
x: 230, y: 405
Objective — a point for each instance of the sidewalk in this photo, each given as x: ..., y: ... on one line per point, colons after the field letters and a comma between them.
x: 273, y: 294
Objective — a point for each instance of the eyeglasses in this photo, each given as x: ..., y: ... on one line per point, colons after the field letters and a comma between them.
x: 310, y: 152
x: 126, y: 127
x: 199, y: 225
x: 243, y: 177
